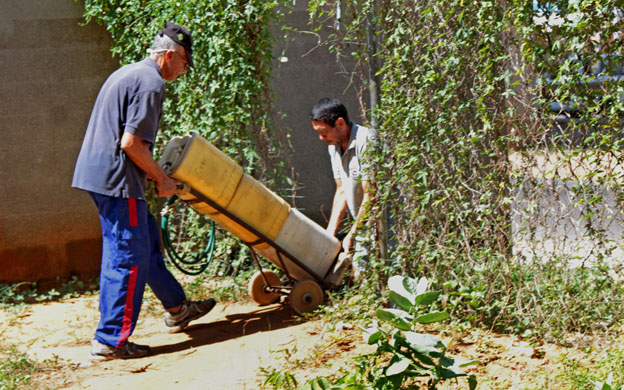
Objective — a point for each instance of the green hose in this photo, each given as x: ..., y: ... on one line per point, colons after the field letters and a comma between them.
x: 179, y: 262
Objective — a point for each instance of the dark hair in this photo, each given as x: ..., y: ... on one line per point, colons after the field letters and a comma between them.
x: 328, y: 110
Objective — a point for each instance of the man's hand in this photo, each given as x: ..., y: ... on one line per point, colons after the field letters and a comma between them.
x: 347, y: 242
x: 166, y: 187
x: 137, y: 149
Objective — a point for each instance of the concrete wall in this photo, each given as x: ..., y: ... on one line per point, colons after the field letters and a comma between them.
x: 308, y: 75
x: 52, y: 69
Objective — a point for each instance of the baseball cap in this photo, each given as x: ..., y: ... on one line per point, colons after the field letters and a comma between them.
x: 181, y: 36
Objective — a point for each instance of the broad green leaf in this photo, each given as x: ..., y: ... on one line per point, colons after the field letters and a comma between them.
x: 398, y: 367
x: 371, y: 335
x: 472, y: 382
x: 601, y: 385
x: 422, y: 285
x: 397, y: 318
x: 319, y: 384
x: 401, y: 301
x: 427, y: 298
x: 607, y: 384
x: 417, y: 369
x: 448, y: 374
x: 455, y: 364
x: 396, y: 284
x: 466, y: 363
x: 446, y: 361
x: 422, y: 342
x: 415, y: 287
x: 425, y: 359
x: 432, y: 317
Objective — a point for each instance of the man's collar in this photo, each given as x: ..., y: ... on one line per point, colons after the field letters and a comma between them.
x: 151, y: 62
x: 354, y: 130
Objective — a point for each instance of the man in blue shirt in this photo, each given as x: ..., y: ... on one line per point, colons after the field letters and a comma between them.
x: 114, y: 164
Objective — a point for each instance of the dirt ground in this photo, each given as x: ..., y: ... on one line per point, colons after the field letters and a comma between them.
x: 223, y: 350
x: 232, y: 345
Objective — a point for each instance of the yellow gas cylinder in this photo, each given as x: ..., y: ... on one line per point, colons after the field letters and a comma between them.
x: 259, y: 207
x: 193, y: 160
x: 310, y: 244
x: 196, y: 162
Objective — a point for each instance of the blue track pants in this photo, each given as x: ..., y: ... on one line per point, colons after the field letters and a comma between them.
x: 131, y: 257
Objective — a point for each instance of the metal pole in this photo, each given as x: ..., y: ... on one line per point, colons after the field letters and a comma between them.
x: 373, y: 89
x: 373, y: 85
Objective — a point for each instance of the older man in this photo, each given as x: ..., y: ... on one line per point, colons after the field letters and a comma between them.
x: 113, y: 165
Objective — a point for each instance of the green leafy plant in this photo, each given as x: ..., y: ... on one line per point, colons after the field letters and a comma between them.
x: 404, y: 356
x: 280, y: 379
x: 589, y: 370
x: 408, y: 353
x: 14, y: 295
x: 16, y: 369
x: 500, y: 128
x: 11, y: 294
x: 605, y: 385
x: 19, y: 371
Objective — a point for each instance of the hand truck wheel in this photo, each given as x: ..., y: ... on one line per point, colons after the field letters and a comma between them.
x: 306, y: 296
x: 257, y: 287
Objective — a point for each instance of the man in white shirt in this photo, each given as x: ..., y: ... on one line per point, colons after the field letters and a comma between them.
x: 347, y: 143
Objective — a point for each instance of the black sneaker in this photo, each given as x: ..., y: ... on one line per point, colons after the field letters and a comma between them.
x: 190, y: 310
x: 101, y: 351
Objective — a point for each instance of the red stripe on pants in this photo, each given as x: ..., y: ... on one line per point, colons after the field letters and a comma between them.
x: 126, y: 326
x: 132, y: 211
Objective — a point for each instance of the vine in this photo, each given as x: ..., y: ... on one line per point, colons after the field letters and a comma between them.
x: 225, y: 97
x: 501, y: 124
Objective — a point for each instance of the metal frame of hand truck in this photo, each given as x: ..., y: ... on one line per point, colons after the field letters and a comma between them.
x: 282, y: 290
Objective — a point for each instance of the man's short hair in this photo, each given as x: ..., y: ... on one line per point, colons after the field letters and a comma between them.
x: 328, y: 110
x: 163, y: 43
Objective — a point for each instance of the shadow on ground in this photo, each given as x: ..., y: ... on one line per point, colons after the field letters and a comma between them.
x: 232, y: 327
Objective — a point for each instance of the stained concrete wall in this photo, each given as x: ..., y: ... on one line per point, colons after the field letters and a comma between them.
x: 52, y: 70
x: 310, y: 73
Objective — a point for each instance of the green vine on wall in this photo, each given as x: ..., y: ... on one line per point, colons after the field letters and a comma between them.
x: 501, y: 161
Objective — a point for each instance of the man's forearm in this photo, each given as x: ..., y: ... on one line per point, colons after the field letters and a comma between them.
x: 138, y: 151
x: 339, y: 210
x: 359, y: 219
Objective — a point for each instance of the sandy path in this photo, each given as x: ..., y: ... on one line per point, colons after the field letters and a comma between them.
x: 223, y: 350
